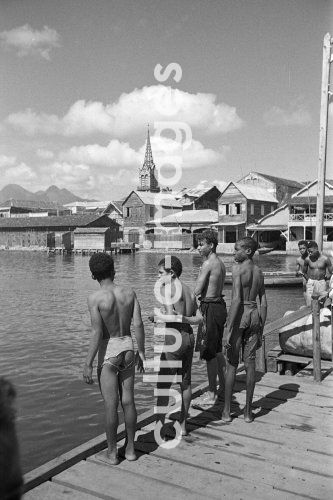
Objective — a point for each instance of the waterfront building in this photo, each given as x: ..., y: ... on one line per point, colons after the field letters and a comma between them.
x: 272, y: 230
x: 281, y: 189
x: 302, y: 215
x: 44, y: 232
x: 240, y: 205
x: 93, y: 238
x: 142, y: 206
x: 179, y: 230
x: 199, y: 198
x: 31, y: 208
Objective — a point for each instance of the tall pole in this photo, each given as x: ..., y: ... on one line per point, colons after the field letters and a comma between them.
x: 323, y: 140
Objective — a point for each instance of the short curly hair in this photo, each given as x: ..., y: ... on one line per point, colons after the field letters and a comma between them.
x: 171, y: 263
x: 250, y: 243
x: 210, y: 236
x: 101, y: 266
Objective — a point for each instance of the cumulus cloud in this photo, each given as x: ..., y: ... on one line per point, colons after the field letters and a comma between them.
x: 7, y: 161
x: 45, y: 154
x: 17, y: 174
x: 27, y: 41
x: 128, y: 114
x: 279, y: 117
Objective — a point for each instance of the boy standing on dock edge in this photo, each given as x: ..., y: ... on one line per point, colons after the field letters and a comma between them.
x: 318, y: 270
x: 245, y: 323
x: 209, y: 289
x: 112, y: 309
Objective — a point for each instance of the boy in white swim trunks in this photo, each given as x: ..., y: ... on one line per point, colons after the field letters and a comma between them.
x: 112, y: 309
x: 318, y: 270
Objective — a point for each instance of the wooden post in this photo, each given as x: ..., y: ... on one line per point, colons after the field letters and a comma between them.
x: 316, y: 338
x: 323, y: 140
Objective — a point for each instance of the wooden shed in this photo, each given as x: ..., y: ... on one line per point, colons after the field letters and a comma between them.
x: 92, y: 238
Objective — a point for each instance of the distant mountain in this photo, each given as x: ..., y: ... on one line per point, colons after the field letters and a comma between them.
x: 53, y: 193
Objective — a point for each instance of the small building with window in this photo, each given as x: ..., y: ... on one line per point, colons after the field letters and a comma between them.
x: 240, y: 205
x: 142, y: 206
x: 303, y: 216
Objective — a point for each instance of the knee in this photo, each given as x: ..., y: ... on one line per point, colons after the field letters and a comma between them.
x: 127, y: 400
x: 249, y: 363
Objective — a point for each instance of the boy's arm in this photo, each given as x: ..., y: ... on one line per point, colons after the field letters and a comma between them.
x: 306, y: 268
x: 329, y: 268
x: 97, y: 333
x: 235, y: 301
x: 263, y: 303
x: 202, y: 279
x: 139, y: 331
x: 298, y: 267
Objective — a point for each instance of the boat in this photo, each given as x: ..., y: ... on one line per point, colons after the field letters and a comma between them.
x: 275, y: 279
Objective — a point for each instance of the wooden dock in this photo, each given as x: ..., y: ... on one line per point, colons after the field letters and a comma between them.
x: 286, y: 453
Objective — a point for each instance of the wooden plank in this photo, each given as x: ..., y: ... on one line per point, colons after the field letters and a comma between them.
x: 122, y: 483
x: 217, y: 484
x: 282, y: 454
x: 52, y: 491
x: 286, y: 320
x: 305, y: 384
x: 294, y: 359
x: 294, y: 481
x: 53, y: 467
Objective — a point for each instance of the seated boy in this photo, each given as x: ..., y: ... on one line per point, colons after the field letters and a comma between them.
x: 112, y: 309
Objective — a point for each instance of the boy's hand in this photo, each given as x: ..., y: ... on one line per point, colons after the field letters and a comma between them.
x: 87, y: 374
x: 140, y: 360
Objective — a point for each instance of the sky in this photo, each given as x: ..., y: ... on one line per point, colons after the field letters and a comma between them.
x: 227, y: 87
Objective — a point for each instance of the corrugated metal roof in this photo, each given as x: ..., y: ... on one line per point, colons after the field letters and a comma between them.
x: 305, y: 200
x: 31, y: 204
x: 252, y: 192
x: 162, y: 199
x: 281, y: 180
x: 90, y: 230
x: 188, y: 217
x: 59, y: 221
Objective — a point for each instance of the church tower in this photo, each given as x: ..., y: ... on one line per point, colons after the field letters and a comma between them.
x: 147, y: 173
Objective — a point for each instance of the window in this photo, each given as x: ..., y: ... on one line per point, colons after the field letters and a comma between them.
x: 262, y: 209
x: 224, y: 209
x: 237, y: 208
x: 128, y: 211
x: 252, y: 208
x: 272, y: 208
x: 152, y: 211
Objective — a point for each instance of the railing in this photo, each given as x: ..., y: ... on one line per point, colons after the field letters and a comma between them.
x: 309, y: 217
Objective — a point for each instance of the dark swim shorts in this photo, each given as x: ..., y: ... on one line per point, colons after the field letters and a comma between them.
x: 214, y: 312
x: 183, y: 354
x: 247, y: 334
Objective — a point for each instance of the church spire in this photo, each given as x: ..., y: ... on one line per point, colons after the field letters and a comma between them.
x: 147, y: 177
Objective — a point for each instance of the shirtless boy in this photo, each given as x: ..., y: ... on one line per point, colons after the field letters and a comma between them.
x: 318, y: 270
x: 209, y: 288
x: 171, y: 267
x: 300, y: 263
x: 112, y: 309
x: 245, y: 322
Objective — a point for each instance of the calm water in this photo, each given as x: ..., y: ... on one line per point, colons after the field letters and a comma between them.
x: 44, y: 336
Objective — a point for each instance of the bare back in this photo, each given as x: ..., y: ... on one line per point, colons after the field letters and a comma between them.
x: 250, y: 278
x: 186, y: 305
x: 211, y: 279
x: 115, y: 304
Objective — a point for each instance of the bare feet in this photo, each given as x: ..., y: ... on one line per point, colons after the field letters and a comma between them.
x: 130, y: 455
x: 226, y: 417
x: 109, y: 458
x: 248, y: 416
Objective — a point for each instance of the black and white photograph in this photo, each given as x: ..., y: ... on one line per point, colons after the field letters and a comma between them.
x: 166, y: 249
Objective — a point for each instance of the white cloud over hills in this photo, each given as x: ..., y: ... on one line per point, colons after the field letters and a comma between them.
x: 127, y: 115
x: 27, y: 41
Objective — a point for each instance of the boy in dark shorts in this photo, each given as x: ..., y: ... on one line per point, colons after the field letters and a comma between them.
x: 209, y: 289
x: 184, y: 304
x: 245, y: 323
x: 112, y: 309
